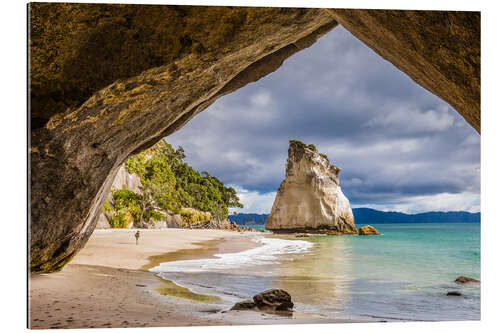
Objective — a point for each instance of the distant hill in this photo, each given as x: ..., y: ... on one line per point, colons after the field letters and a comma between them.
x: 368, y: 215
x: 248, y: 219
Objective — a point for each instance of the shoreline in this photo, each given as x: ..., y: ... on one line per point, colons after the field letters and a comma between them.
x: 107, y: 284
x: 116, y: 248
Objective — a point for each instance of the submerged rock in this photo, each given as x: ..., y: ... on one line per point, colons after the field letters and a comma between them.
x: 368, y: 230
x: 310, y: 198
x: 465, y: 279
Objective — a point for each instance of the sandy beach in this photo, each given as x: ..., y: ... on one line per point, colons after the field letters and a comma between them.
x: 107, y: 284
x: 116, y: 248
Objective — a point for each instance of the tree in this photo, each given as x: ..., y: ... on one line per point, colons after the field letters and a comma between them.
x: 168, y: 184
x: 158, y: 187
x: 125, y: 208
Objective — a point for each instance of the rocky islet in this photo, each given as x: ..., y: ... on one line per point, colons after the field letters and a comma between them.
x: 310, y: 198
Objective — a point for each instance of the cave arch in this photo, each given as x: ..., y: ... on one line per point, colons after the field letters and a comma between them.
x: 107, y: 81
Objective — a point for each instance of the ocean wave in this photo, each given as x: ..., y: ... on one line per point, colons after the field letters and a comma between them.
x: 265, y: 254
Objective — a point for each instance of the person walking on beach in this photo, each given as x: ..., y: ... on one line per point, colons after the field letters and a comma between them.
x: 137, y: 237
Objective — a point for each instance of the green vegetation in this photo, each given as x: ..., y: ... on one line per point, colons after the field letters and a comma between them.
x: 190, y: 215
x: 310, y: 146
x: 169, y: 185
x: 300, y: 143
x: 126, y: 207
x: 303, y: 145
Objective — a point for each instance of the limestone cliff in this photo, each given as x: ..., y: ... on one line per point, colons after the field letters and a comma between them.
x: 123, y: 180
x: 310, y: 198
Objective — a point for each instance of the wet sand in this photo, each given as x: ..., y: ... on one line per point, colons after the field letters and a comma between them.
x: 107, y: 284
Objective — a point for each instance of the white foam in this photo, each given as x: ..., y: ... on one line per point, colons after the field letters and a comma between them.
x: 270, y: 250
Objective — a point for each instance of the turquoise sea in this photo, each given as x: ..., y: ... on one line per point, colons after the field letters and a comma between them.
x: 403, y: 274
x: 256, y: 226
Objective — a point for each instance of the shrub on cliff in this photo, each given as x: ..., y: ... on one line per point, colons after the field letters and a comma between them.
x: 298, y: 142
x: 310, y: 146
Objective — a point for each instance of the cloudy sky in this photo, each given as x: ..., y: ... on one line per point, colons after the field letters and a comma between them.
x: 399, y: 146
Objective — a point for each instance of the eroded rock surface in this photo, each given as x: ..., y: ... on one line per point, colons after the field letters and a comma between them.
x: 244, y: 305
x: 107, y: 81
x: 310, y: 198
x: 273, y: 300
x: 125, y: 180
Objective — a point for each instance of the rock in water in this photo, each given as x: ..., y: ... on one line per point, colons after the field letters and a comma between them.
x: 310, y: 198
x: 453, y: 293
x: 465, y: 279
x: 368, y: 230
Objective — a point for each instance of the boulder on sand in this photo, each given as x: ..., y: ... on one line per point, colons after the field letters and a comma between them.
x: 273, y: 300
x: 244, y: 305
x: 368, y: 230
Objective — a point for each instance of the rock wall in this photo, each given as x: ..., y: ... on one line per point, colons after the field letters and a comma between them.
x: 125, y: 180
x: 310, y: 198
x: 107, y: 81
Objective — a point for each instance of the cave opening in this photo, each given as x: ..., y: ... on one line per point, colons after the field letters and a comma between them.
x: 384, y: 131
x: 90, y: 113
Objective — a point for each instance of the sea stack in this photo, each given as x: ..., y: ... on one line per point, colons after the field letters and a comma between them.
x: 310, y: 198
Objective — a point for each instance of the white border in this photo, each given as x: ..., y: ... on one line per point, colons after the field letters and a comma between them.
x: 13, y: 172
